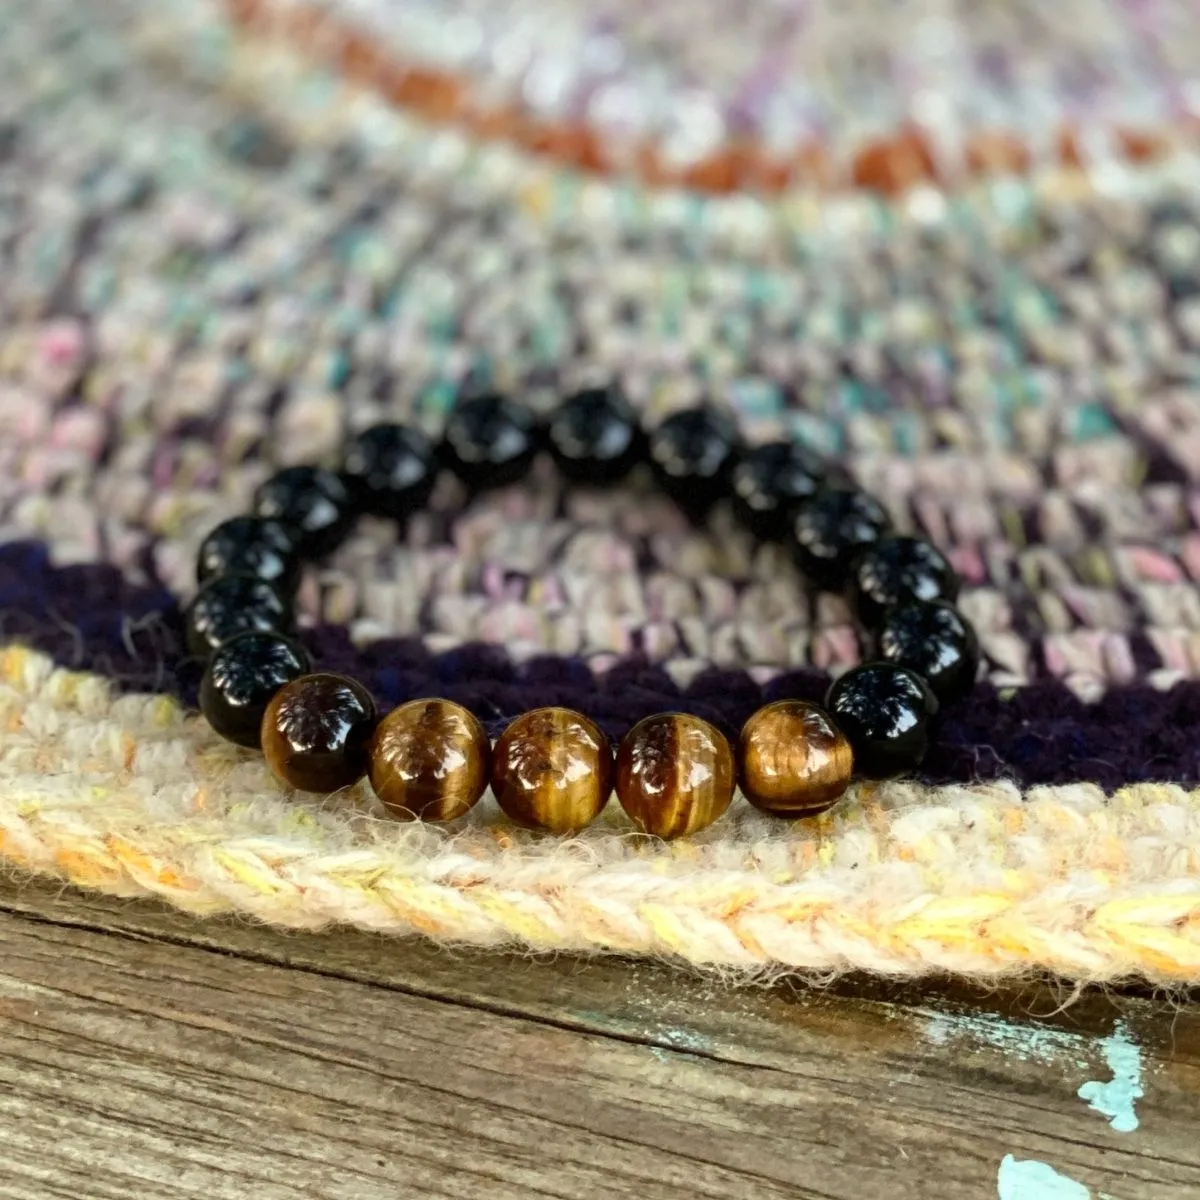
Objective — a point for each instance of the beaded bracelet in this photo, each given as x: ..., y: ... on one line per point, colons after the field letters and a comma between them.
x: 552, y: 768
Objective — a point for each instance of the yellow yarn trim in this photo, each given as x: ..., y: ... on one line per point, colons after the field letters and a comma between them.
x: 133, y: 796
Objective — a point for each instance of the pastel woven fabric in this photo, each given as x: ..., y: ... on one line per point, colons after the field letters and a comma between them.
x: 955, y: 247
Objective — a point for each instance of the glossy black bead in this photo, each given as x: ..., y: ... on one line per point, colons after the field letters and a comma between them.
x: 831, y: 528
x: 312, y: 504
x: 242, y: 677
x: 250, y: 546
x: 896, y: 570
x: 230, y: 605
x: 885, y: 712
x: 391, y: 470
x: 490, y: 441
x: 769, y: 482
x: 595, y: 436
x: 692, y: 454
x: 934, y: 640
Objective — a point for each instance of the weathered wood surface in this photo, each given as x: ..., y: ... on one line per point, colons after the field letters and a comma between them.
x: 144, y: 1055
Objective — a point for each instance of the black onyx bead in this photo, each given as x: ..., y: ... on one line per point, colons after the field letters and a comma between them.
x: 885, y: 713
x: 391, y: 470
x: 934, y: 640
x: 490, y: 441
x: 241, y: 679
x: 895, y: 570
x: 595, y: 436
x: 312, y: 504
x: 230, y: 605
x: 769, y: 481
x: 250, y: 546
x: 692, y: 456
x: 831, y: 528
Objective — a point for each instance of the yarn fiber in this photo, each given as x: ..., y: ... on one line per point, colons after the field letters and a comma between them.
x: 225, y: 246
x: 899, y: 879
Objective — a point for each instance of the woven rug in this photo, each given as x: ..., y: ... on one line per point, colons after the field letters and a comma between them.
x: 955, y: 246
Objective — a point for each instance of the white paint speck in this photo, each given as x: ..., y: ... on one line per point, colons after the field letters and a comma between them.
x: 1115, y: 1098
x: 1028, y: 1179
x: 1020, y: 1040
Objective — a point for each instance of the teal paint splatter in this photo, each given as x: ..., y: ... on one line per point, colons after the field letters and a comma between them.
x: 1038, y: 1043
x: 685, y: 1039
x: 1116, y: 1097
x: 1025, y: 1042
x: 1029, y: 1179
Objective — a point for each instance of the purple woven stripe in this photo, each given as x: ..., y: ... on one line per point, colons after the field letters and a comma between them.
x: 91, y: 618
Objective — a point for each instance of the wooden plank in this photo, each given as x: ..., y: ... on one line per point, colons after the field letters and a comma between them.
x: 142, y: 1051
x: 643, y: 1001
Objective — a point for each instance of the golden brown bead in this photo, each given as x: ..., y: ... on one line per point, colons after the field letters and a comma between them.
x: 552, y: 769
x: 429, y: 759
x: 315, y: 732
x: 795, y: 761
x: 675, y: 774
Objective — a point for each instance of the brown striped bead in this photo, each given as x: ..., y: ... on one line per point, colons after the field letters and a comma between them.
x: 429, y: 759
x: 794, y: 761
x: 315, y: 732
x: 675, y: 774
x: 552, y: 769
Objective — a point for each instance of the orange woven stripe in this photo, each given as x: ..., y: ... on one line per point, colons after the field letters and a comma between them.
x: 889, y: 165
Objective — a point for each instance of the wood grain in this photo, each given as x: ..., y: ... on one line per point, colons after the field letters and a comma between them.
x: 146, y: 1054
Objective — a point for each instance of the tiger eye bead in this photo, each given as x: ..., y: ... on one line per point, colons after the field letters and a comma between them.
x: 675, y: 774
x: 552, y: 769
x: 795, y: 762
x: 316, y: 730
x: 429, y: 759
